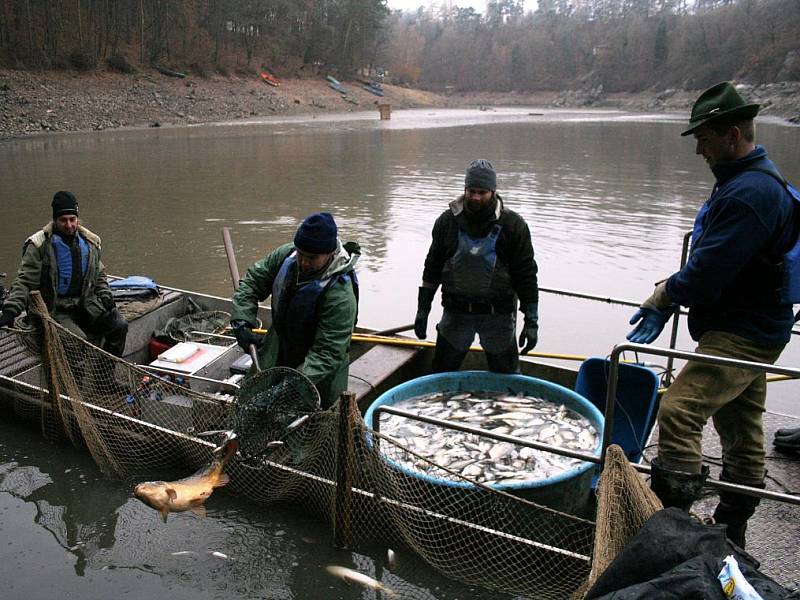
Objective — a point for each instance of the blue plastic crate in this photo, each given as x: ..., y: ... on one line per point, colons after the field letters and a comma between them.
x: 637, y: 401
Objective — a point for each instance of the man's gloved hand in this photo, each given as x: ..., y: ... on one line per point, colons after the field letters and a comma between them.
x: 530, y: 330
x: 424, y: 301
x: 6, y: 318
x: 108, y: 302
x: 651, y: 322
x: 245, y: 336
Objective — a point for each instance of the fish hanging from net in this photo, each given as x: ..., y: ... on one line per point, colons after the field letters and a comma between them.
x: 270, y: 405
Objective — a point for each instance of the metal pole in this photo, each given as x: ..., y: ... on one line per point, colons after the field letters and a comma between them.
x: 226, y: 240
x: 676, y: 317
x: 704, y: 358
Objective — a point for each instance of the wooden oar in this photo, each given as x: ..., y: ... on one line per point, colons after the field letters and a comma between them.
x: 226, y: 240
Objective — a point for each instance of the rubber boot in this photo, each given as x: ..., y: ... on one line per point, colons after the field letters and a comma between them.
x: 787, y: 440
x: 735, y: 509
x: 676, y: 488
x: 503, y: 363
x: 446, y: 357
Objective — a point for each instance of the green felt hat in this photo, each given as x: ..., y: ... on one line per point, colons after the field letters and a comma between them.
x: 721, y: 101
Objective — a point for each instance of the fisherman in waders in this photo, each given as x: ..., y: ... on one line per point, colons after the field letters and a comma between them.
x: 314, y: 293
x: 482, y: 256
x: 732, y: 284
x: 62, y: 262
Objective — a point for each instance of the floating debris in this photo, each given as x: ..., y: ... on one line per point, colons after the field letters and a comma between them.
x: 480, y: 458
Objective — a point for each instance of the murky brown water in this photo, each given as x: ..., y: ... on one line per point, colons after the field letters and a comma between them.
x: 608, y: 197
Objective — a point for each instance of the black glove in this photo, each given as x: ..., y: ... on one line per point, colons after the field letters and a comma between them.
x: 530, y: 330
x: 424, y: 301
x: 7, y: 318
x: 245, y: 336
x: 108, y: 302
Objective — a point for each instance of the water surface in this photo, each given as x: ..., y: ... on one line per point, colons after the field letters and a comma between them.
x: 608, y: 197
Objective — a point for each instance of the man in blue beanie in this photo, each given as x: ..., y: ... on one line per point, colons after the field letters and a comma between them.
x: 314, y: 293
x: 62, y: 262
x: 482, y: 256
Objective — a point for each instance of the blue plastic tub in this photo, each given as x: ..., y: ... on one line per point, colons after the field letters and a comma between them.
x: 568, y: 491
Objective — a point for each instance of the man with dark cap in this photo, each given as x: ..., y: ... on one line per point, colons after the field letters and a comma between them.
x: 62, y: 261
x: 740, y: 306
x: 314, y: 293
x: 482, y: 256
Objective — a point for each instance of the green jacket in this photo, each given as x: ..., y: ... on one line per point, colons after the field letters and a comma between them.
x: 327, y: 362
x: 38, y: 271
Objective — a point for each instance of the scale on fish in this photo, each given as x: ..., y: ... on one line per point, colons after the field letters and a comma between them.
x: 480, y: 458
x: 186, y: 494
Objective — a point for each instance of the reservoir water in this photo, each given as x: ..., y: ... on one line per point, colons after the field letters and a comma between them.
x: 608, y: 197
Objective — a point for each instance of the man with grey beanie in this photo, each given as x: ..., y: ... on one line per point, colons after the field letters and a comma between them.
x: 482, y: 256
x: 62, y: 262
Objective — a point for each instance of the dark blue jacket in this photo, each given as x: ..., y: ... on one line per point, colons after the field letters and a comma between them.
x: 732, y: 278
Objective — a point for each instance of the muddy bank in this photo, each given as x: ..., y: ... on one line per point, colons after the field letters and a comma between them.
x: 35, y: 102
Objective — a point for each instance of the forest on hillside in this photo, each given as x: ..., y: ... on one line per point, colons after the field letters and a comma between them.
x: 613, y: 45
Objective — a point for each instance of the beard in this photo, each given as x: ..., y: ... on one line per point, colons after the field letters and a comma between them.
x: 476, y: 213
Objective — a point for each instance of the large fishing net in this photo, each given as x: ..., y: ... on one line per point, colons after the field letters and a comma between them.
x: 142, y: 424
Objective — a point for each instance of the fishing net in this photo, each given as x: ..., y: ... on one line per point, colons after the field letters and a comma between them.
x: 197, y: 326
x: 269, y: 406
x: 624, y: 503
x: 141, y: 424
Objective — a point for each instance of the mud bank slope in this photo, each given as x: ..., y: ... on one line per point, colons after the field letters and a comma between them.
x: 49, y: 101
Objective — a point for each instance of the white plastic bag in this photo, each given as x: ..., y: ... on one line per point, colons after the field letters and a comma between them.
x: 733, y: 583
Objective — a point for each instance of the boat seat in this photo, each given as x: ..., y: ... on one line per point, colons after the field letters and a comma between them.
x: 373, y: 369
x: 637, y: 401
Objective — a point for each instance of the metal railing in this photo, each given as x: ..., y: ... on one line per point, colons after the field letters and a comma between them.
x: 611, y: 395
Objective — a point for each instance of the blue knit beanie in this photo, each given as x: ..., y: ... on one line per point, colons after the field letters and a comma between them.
x: 316, y: 234
x: 480, y: 174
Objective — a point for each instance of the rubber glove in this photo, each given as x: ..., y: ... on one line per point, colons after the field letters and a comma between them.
x: 245, y: 336
x: 424, y: 301
x: 650, y: 321
x: 530, y: 330
x: 6, y: 318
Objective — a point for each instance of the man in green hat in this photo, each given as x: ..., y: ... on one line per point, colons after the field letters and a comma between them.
x: 732, y: 285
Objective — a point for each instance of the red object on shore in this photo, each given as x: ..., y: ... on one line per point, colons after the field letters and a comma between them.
x: 270, y: 79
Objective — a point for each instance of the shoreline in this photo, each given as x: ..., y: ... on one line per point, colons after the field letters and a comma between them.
x: 33, y: 102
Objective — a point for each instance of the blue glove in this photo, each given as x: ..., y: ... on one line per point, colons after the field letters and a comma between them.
x: 651, y: 323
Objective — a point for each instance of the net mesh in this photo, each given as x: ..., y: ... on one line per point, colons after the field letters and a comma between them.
x: 332, y: 466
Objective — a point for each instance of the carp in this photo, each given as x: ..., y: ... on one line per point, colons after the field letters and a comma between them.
x: 188, y: 493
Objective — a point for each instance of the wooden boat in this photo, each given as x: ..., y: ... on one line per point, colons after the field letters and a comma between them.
x: 270, y: 79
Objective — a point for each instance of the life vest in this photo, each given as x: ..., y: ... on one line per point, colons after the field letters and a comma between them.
x: 788, y: 267
x: 474, y: 271
x: 294, y: 309
x: 64, y: 264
